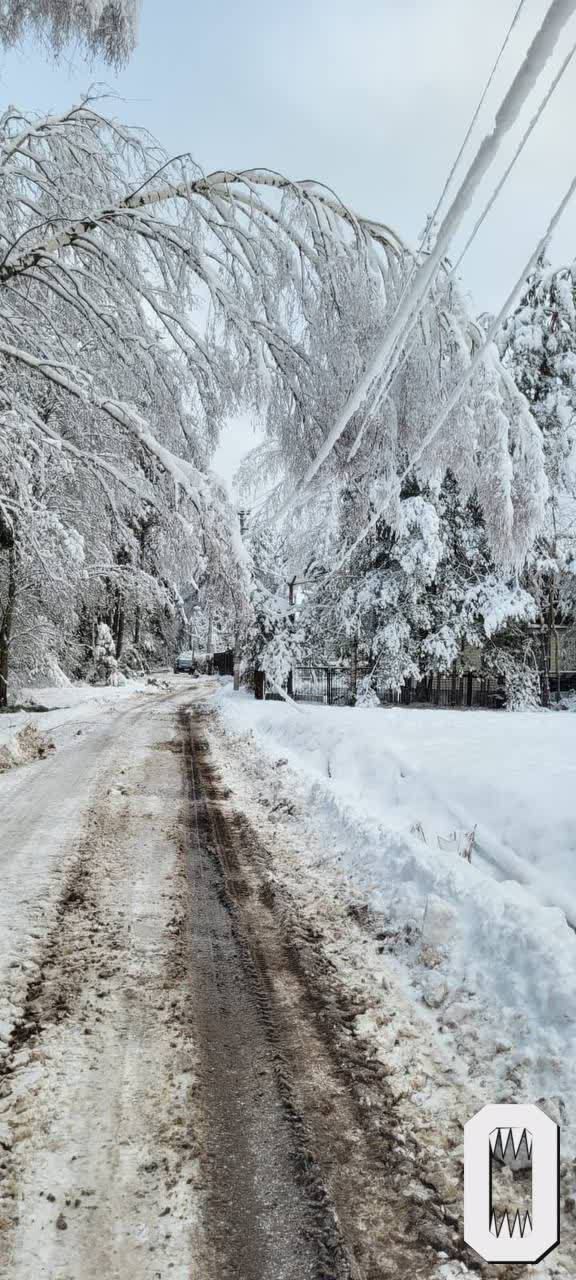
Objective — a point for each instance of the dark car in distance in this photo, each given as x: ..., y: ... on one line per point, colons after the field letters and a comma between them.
x: 185, y: 662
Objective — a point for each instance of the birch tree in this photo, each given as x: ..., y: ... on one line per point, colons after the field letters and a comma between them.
x: 148, y: 301
x: 104, y: 28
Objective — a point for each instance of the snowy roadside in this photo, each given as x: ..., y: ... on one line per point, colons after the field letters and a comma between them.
x: 69, y: 708
x: 469, y: 981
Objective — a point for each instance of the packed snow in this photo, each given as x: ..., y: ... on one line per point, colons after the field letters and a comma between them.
x: 63, y: 710
x: 42, y: 804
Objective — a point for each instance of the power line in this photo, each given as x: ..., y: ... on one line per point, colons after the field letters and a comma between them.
x: 515, y: 157
x: 379, y: 394
x: 454, y: 396
x: 411, y: 305
x: 470, y: 129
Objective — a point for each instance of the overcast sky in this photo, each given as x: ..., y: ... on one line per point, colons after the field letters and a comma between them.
x: 372, y: 97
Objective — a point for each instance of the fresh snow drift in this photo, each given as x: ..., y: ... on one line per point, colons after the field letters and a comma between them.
x: 385, y: 787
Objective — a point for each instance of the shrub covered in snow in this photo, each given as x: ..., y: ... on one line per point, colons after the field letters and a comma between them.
x: 367, y: 696
x: 105, y: 664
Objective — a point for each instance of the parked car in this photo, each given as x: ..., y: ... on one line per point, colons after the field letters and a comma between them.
x: 185, y: 662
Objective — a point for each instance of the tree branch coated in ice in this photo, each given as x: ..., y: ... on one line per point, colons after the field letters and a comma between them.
x: 105, y: 28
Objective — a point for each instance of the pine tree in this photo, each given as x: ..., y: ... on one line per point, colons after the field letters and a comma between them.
x: 274, y: 637
x: 538, y: 345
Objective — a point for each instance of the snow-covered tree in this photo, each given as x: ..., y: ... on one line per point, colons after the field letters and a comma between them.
x: 108, y: 250
x: 105, y: 28
x: 407, y: 589
x: 97, y: 395
x: 105, y: 664
x: 273, y: 637
x: 412, y: 597
x: 286, y: 324
x: 490, y: 443
x: 538, y: 345
x: 470, y: 601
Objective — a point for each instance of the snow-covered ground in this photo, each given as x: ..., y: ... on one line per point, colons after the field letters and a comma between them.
x: 500, y: 952
x: 70, y: 708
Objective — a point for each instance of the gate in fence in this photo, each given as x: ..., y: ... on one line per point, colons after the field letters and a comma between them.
x: 223, y: 663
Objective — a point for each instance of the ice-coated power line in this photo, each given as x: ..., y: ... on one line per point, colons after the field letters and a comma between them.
x: 513, y: 297
x: 410, y: 306
x: 518, y: 152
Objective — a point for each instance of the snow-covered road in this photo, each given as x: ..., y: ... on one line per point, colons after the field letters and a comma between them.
x: 399, y: 994
x: 42, y: 806
x: 98, y: 1164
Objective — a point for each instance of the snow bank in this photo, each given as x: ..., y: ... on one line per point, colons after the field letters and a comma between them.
x: 26, y: 744
x: 58, y: 697
x: 369, y: 777
x: 64, y: 708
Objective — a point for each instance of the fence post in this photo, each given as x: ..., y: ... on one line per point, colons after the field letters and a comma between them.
x: 328, y: 687
x: 469, y: 689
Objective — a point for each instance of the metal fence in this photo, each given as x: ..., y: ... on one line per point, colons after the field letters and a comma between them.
x: 335, y: 686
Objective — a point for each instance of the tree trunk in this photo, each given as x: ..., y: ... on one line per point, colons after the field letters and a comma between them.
x: 118, y: 623
x: 554, y: 641
x: 6, y: 626
x: 354, y: 671
x: 138, y: 612
x: 544, y: 652
x: 236, y: 664
x: 120, y: 629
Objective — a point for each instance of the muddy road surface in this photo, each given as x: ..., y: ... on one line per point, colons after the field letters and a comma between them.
x: 309, y: 1172
x: 182, y: 1094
